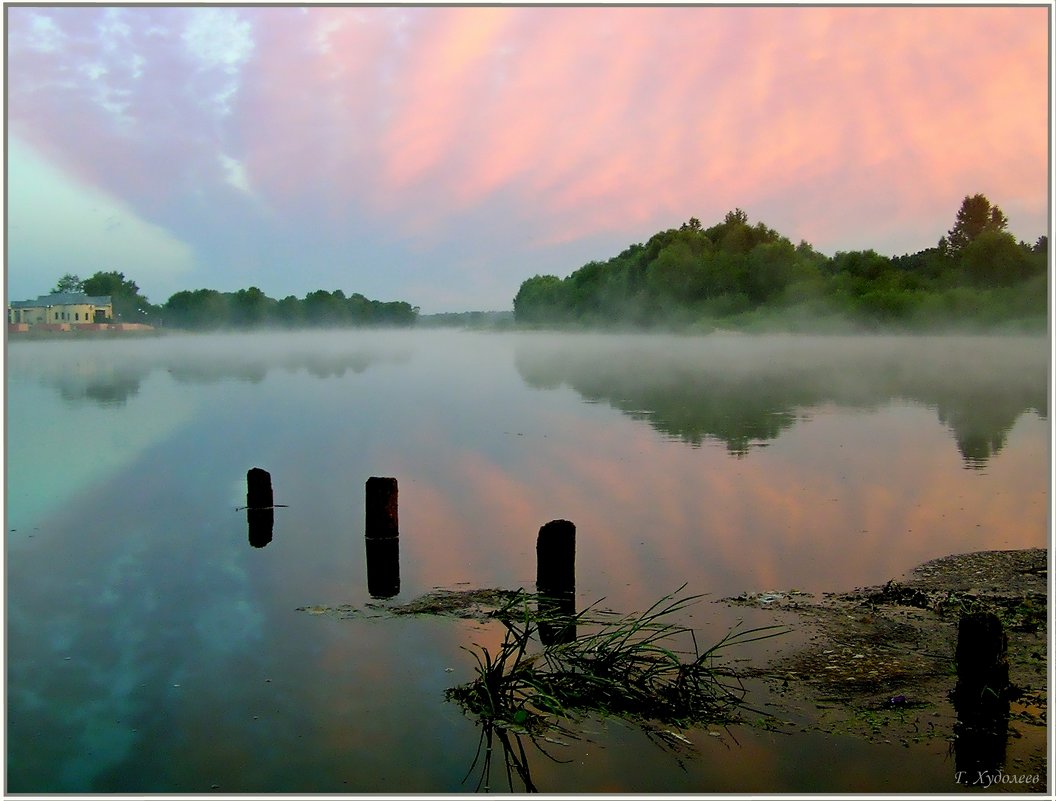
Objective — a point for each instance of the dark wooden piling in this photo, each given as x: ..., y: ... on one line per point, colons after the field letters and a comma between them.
x: 982, y: 657
x: 555, y: 581
x: 383, y: 567
x: 555, y: 551
x: 382, y: 508
x: 258, y: 489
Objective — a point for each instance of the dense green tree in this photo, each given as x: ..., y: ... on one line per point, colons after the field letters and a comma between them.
x: 807, y: 283
x: 993, y: 258
x: 129, y: 305
x: 325, y: 308
x: 198, y: 309
x: 541, y: 299
x: 678, y: 273
x: 397, y: 312
x: 249, y: 307
x: 771, y: 268
x: 68, y: 283
x: 736, y: 217
x: 975, y: 216
x: 865, y: 265
x: 289, y: 311
x: 929, y: 264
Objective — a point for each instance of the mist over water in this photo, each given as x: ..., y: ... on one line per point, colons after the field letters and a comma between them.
x: 745, y: 391
x: 141, y: 616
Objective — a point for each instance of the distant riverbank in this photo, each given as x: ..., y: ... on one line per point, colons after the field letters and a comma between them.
x: 17, y: 332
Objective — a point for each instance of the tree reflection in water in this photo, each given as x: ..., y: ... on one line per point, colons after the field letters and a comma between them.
x: 746, y: 391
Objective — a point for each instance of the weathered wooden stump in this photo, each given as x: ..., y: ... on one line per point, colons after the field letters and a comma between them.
x: 382, y: 518
x: 258, y: 489
x: 383, y: 567
x: 555, y: 551
x: 982, y: 658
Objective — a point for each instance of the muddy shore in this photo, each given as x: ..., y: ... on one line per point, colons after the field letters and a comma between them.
x: 879, y: 662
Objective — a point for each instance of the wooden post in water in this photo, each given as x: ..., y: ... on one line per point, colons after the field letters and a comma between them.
x: 260, y: 503
x: 383, y: 537
x: 555, y: 551
x: 982, y: 658
x: 382, y: 508
x: 258, y: 489
x: 555, y: 581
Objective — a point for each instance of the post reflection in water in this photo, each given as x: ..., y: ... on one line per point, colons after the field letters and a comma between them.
x: 383, y: 567
x: 980, y: 742
x: 557, y: 613
x: 261, y: 526
x: 981, y: 697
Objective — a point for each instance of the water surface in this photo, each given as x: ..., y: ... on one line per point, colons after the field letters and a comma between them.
x: 152, y: 648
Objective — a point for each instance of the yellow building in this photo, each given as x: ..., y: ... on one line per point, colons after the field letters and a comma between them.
x: 61, y: 309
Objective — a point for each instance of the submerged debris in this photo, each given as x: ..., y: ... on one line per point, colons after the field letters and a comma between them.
x: 477, y: 604
x: 788, y: 599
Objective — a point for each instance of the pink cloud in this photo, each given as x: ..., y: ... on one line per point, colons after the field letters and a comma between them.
x: 847, y: 126
x: 447, y: 70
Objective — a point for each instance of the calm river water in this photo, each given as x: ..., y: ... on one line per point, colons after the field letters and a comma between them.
x: 152, y: 648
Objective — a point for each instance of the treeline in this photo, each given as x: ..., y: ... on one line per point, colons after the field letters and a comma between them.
x: 742, y: 275
x: 209, y: 309
x: 470, y: 319
x: 251, y: 308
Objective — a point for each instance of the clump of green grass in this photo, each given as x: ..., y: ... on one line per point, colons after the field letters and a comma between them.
x: 641, y: 666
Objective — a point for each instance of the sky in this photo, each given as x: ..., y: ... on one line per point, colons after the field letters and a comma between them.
x: 442, y: 155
